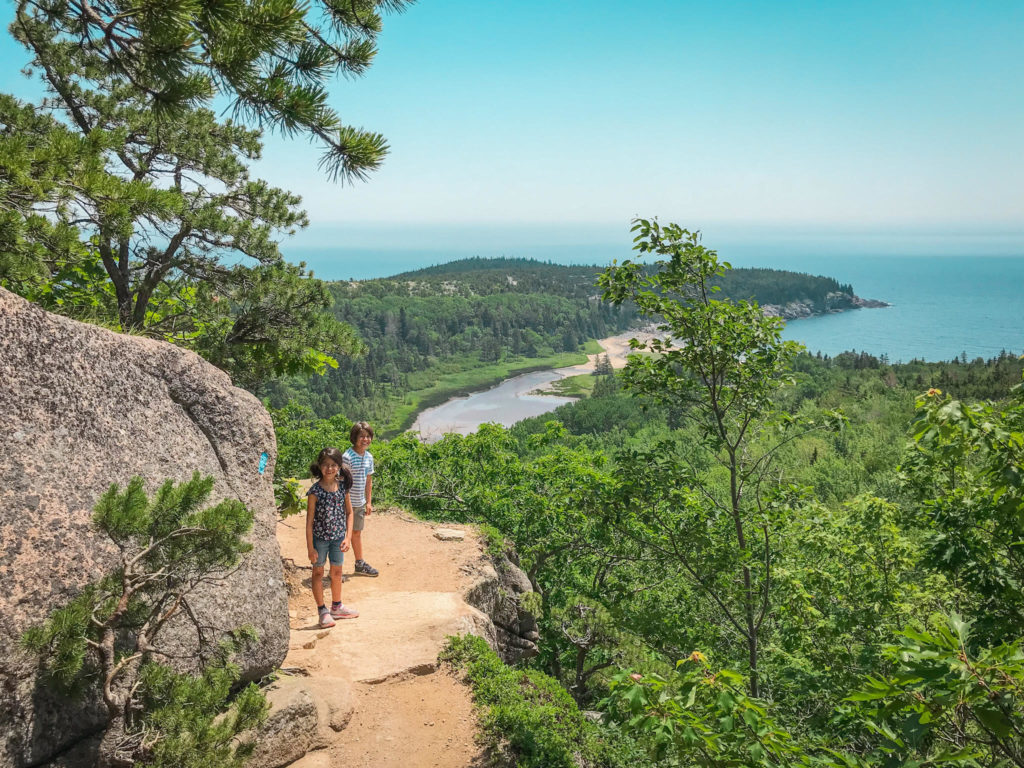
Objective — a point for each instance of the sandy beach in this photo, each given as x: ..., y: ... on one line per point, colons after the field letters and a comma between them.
x: 616, y: 347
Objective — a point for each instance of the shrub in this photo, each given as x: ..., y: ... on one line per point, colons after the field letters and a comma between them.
x: 528, y: 719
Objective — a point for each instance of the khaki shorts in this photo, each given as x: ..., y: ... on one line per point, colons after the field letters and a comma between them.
x: 358, y: 517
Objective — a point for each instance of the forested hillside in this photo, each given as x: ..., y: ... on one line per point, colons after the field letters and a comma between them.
x: 477, y: 312
x: 501, y: 275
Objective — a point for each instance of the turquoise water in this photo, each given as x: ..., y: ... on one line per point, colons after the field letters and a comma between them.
x: 942, y: 305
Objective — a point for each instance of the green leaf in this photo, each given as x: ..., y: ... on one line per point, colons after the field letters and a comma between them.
x: 994, y: 720
x: 690, y: 697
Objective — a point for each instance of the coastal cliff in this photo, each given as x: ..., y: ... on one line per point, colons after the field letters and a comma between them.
x: 835, y: 301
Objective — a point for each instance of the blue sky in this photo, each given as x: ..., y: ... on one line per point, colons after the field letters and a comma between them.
x: 575, y: 116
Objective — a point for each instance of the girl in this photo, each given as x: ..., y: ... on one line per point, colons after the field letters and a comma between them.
x: 329, y: 530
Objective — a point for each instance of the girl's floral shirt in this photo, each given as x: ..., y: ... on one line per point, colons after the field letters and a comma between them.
x: 329, y: 522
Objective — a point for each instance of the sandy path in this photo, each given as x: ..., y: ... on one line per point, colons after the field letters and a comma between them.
x: 407, y: 712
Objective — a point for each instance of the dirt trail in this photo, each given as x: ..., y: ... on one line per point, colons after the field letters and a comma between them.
x: 407, y: 712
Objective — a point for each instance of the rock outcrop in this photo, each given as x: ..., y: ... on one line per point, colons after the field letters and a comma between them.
x: 304, y: 715
x: 498, y: 592
x: 81, y: 408
x: 836, y: 301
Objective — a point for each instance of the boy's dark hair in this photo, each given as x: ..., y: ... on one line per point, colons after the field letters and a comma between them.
x: 357, y: 429
x: 344, y: 473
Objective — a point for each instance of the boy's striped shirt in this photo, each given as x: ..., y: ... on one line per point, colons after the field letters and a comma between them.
x: 361, y: 467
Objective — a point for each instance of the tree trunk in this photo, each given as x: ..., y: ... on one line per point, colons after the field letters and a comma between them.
x: 749, y: 602
x: 115, y: 746
x: 580, y: 683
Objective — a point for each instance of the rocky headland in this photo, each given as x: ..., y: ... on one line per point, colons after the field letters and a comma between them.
x: 835, y: 301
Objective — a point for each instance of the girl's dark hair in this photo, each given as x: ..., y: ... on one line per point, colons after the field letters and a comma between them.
x: 344, y: 473
x: 357, y: 429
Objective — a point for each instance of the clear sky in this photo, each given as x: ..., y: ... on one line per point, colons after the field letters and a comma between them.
x: 583, y: 113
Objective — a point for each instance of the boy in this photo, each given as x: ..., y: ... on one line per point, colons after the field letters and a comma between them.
x: 359, y: 462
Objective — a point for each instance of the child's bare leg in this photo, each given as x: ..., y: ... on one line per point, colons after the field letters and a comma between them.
x: 357, y: 544
x: 318, y: 584
x: 335, y: 584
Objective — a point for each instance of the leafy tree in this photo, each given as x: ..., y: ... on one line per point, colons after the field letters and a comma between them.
x: 301, y: 436
x: 113, y: 631
x: 719, y: 365
x: 944, y: 704
x: 967, y: 475
x: 854, y: 576
x: 940, y: 704
x: 550, y: 507
x: 702, y: 717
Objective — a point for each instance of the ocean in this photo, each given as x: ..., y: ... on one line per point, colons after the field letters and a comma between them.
x: 946, y: 301
x: 942, y: 307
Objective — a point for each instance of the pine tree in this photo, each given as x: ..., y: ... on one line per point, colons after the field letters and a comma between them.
x: 272, y: 59
x: 148, y: 220
x: 112, y: 632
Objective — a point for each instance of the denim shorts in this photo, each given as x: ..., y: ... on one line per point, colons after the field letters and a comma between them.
x: 324, y: 547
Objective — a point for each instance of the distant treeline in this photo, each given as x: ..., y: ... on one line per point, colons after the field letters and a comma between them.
x: 776, y: 286
x: 478, y: 311
x: 868, y: 387
x: 504, y: 275
x: 975, y: 379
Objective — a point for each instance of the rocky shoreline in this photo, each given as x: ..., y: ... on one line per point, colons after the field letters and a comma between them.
x: 834, y: 302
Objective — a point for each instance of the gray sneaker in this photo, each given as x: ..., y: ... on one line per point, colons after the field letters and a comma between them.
x: 325, y: 619
x: 365, y: 569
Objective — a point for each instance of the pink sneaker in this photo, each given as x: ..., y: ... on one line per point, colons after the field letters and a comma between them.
x: 344, y: 612
x: 325, y: 619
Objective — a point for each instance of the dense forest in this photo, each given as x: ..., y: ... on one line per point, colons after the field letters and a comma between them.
x: 497, y: 275
x: 473, y: 312
x: 779, y: 286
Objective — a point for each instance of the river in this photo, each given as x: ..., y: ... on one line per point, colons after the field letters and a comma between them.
x: 516, y: 398
x: 506, y: 403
